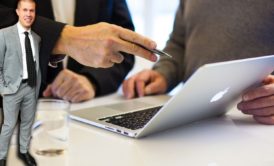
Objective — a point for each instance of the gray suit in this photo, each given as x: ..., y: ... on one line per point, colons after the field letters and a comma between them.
x: 16, y: 94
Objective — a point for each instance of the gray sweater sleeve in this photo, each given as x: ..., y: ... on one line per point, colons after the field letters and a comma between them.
x: 172, y: 68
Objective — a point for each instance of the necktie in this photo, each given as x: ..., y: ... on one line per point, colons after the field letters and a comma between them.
x: 30, y: 62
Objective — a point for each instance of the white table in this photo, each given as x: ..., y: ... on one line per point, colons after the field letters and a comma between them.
x: 232, y: 140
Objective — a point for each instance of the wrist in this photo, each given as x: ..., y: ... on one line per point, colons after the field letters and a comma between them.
x: 63, y: 42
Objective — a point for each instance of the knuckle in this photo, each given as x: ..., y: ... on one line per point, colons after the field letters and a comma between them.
x: 59, y: 94
x: 119, y: 58
x: 265, y: 89
x: 130, y: 81
x: 134, y: 38
x: 109, y: 42
x: 134, y: 48
x: 125, y: 83
x: 113, y: 30
x: 103, y: 24
x: 104, y: 52
x: 84, y: 93
x: 74, y: 79
x: 139, y: 80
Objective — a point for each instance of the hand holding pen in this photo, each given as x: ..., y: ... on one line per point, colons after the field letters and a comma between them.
x: 156, y: 51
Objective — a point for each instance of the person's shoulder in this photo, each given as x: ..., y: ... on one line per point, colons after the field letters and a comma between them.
x: 3, y: 30
x: 8, y: 29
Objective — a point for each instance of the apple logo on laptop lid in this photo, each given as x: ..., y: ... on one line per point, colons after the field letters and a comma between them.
x: 219, y: 95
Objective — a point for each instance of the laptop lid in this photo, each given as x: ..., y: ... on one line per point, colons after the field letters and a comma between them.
x: 211, y: 91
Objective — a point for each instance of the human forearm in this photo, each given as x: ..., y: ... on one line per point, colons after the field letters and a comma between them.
x: 99, y: 45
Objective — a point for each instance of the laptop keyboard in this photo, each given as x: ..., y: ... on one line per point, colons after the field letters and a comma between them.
x: 132, y: 120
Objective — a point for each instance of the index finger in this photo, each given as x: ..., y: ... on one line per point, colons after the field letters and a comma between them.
x: 129, y: 88
x: 132, y: 48
x: 134, y: 37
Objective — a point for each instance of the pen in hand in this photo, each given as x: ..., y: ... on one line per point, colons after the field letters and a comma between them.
x: 156, y: 51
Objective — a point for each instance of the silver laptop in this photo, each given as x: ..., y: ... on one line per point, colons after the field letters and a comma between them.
x: 211, y: 91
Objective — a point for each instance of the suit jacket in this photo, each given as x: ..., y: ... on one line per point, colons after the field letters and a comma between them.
x: 48, y: 30
x: 91, y: 12
x: 11, y: 63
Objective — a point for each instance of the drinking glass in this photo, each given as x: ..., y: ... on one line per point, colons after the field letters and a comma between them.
x: 50, y: 134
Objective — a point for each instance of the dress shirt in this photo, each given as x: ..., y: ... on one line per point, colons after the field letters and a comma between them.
x: 22, y: 36
x: 64, y: 11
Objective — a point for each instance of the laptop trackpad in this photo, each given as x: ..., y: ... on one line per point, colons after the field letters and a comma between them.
x: 129, y: 106
x: 139, y: 103
x: 109, y: 110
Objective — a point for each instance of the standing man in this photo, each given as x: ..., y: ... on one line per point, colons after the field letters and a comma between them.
x: 19, y: 80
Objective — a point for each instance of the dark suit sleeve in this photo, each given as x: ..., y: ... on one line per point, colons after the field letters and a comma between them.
x: 49, y: 31
x: 108, y: 80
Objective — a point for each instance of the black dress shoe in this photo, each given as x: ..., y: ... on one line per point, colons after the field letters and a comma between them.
x: 3, y: 162
x: 27, y: 159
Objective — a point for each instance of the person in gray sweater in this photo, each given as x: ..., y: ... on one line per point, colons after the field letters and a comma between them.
x: 207, y: 31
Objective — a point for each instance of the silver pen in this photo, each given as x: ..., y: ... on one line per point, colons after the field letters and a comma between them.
x: 156, y: 51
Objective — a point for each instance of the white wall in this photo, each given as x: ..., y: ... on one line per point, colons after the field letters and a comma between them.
x: 154, y: 19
